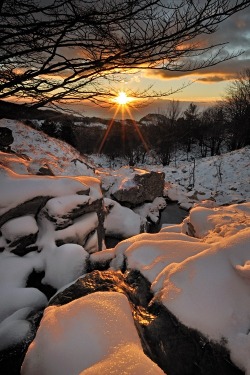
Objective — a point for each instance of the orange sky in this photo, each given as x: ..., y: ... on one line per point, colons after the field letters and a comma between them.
x: 203, y: 86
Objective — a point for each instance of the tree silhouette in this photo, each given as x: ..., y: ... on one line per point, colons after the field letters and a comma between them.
x: 237, y: 111
x: 58, y: 51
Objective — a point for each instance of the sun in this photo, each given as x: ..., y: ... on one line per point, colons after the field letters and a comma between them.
x: 122, y: 98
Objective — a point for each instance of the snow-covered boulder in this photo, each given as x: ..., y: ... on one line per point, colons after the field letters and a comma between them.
x: 48, y: 227
x: 138, y: 187
x: 94, y: 334
x: 20, y: 234
x: 176, y: 348
x: 121, y: 222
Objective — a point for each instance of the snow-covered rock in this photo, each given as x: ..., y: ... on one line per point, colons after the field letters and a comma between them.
x: 121, y: 222
x: 48, y: 227
x: 94, y: 334
x: 138, y: 187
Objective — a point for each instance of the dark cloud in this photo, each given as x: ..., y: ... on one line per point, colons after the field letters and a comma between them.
x: 224, y: 71
x: 235, y: 34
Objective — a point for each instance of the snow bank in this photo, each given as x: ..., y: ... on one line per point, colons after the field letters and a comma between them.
x: 120, y: 221
x: 32, y: 242
x: 64, y: 264
x: 204, y: 283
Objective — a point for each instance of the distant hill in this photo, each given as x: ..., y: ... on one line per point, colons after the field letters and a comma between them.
x: 20, y: 111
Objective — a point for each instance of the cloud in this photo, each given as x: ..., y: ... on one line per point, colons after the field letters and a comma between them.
x: 235, y: 34
x: 224, y: 71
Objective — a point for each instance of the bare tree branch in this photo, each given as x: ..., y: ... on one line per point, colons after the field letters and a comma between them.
x: 65, y: 50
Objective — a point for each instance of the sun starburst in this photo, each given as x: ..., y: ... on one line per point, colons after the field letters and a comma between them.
x: 122, y: 98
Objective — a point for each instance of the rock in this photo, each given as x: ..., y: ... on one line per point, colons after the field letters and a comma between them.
x: 133, y: 285
x: 35, y: 281
x: 145, y: 186
x: 20, y: 235
x: 11, y: 358
x: 45, y: 171
x: 82, y: 197
x: 6, y: 137
x: 177, y: 349
x: 30, y: 207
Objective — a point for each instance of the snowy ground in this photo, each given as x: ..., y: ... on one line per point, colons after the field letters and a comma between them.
x: 223, y: 179
x: 199, y: 269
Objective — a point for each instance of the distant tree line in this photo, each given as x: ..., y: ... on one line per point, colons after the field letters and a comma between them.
x: 224, y: 126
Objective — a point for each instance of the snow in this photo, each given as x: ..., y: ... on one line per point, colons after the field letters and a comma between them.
x: 14, y: 328
x: 36, y: 149
x: 150, y: 257
x: 13, y: 299
x: 207, y: 292
x: 121, y: 221
x: 199, y: 269
x: 19, y: 227
x: 223, y: 179
x: 95, y: 332
x: 79, y: 229
x: 64, y: 264
x: 63, y: 205
x: 151, y: 210
x: 16, y: 189
x: 203, y: 282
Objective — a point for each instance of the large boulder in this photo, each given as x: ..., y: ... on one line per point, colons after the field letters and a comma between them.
x: 143, y: 186
x: 175, y: 348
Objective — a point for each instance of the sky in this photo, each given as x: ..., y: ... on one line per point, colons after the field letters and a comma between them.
x: 203, y: 87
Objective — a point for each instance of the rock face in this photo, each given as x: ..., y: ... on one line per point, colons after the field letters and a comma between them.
x: 145, y: 186
x: 6, y: 138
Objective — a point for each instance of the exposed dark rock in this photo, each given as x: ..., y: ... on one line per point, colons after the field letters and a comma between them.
x: 45, y: 171
x: 30, y: 207
x: 92, y: 282
x: 24, y: 244
x: 144, y: 187
x: 6, y: 137
x: 21, y: 251
x: 102, y: 265
x: 35, y: 281
x: 179, y: 350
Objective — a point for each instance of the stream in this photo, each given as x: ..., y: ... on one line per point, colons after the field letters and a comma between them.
x: 172, y: 214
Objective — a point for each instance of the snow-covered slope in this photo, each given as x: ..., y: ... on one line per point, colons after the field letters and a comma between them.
x: 223, y: 179
x: 34, y: 149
